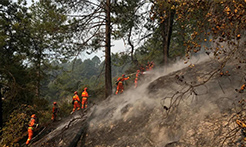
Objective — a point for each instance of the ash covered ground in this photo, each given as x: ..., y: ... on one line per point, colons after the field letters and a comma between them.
x: 185, y: 105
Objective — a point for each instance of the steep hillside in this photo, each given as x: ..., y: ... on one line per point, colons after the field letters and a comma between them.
x: 189, y: 106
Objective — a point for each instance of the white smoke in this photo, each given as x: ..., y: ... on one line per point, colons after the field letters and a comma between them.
x: 135, y: 98
x: 194, y: 116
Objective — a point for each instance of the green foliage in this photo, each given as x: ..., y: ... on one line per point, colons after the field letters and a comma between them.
x: 65, y: 108
x: 129, y: 18
x: 150, y: 50
x: 73, y: 76
x: 17, y: 124
x: 77, y: 74
x: 96, y: 60
x: 125, y: 16
x: 121, y: 62
x: 30, y: 38
x: 14, y: 74
x: 97, y: 95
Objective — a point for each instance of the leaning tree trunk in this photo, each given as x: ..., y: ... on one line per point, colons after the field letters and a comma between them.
x: 108, y: 79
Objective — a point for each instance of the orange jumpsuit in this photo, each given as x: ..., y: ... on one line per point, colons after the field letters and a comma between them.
x: 136, y: 79
x: 76, y: 102
x: 54, y: 113
x: 84, y: 96
x: 142, y: 69
x: 242, y: 87
x: 152, y: 64
x: 120, y: 87
x: 31, y: 124
x: 147, y: 68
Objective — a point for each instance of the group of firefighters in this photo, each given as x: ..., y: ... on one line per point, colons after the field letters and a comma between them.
x: 120, y: 80
x: 76, y: 100
x: 76, y: 105
x: 84, y: 101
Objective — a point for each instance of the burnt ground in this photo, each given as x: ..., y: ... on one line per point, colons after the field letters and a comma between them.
x: 172, y: 109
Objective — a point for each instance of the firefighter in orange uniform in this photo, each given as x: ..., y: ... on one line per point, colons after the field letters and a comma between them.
x: 142, y: 69
x: 84, y: 96
x: 151, y: 65
x: 120, y: 81
x: 54, y: 111
x: 147, y: 67
x: 136, y: 79
x: 32, y: 123
x: 76, y: 101
x: 242, y: 88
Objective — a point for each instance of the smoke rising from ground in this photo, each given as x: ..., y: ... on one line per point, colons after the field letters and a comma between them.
x: 140, y: 111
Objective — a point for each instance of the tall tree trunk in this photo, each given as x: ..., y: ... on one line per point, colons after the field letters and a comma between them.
x: 170, y: 28
x: 166, y: 35
x: 108, y: 78
x: 38, y: 70
x: 164, y: 43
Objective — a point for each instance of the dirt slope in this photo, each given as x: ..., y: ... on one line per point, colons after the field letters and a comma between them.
x: 159, y: 112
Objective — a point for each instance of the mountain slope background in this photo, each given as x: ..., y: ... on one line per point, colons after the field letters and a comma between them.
x: 187, y: 106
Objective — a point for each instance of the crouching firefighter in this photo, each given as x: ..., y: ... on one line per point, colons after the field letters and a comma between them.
x: 120, y: 87
x: 84, y: 96
x: 32, y: 123
x: 76, y: 101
